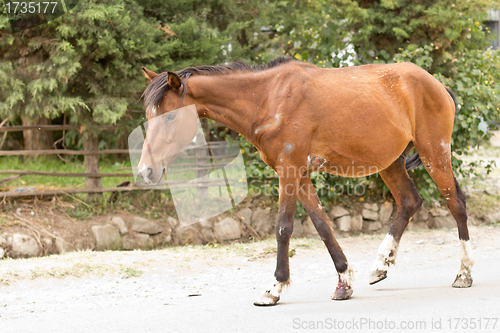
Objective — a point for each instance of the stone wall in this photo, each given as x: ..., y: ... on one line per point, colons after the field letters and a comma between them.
x: 133, y: 232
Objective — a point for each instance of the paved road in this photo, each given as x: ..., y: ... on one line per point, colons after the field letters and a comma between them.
x: 417, y: 295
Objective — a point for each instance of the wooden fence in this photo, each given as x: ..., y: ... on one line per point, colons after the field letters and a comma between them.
x: 201, y: 168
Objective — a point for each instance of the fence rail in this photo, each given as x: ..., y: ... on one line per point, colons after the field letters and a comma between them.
x: 198, y: 166
x: 65, y: 174
x: 41, y: 193
x: 53, y: 128
x: 61, y: 152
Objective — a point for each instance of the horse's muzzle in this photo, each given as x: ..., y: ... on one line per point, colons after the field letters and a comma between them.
x: 146, y: 175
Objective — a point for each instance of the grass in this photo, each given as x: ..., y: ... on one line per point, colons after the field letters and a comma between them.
x: 56, y: 165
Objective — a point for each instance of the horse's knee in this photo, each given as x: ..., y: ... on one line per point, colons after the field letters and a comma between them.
x: 284, y: 231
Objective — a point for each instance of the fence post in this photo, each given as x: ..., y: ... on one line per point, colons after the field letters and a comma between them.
x: 90, y: 142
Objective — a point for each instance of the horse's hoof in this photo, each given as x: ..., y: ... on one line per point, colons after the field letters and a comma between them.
x: 342, y: 293
x: 267, y: 299
x: 343, y: 290
x: 463, y: 281
x: 377, y: 276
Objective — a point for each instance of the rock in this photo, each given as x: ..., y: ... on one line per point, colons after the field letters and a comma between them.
x: 356, y: 222
x: 415, y: 226
x: 47, y: 243
x: 490, y: 218
x: 370, y: 214
x: 107, y: 237
x: 344, y: 223
x: 435, y: 211
x: 443, y: 222
x: 188, y: 235
x: 369, y: 226
x: 227, y: 229
x: 63, y: 246
x: 421, y: 241
x: 385, y: 212
x: 129, y: 243
x: 308, y: 228
x: 422, y: 215
x: 338, y: 211
x: 142, y: 240
x: 3, y: 241
x: 146, y: 227
x: 207, y: 230
x: 23, y: 246
x: 246, y: 215
x: 298, y: 228
x: 172, y: 222
x: 370, y: 206
x: 120, y: 224
x: 261, y: 221
x: 2, y: 252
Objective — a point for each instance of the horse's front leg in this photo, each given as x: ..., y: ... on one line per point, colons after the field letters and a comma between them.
x: 309, y: 198
x: 284, y: 227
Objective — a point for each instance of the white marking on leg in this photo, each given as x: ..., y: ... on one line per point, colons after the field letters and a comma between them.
x: 272, y: 294
x: 464, y: 276
x: 467, y: 261
x: 348, y: 276
x: 386, y: 256
x: 388, y: 250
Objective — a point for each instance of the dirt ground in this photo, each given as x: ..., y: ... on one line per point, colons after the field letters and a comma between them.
x: 212, y: 288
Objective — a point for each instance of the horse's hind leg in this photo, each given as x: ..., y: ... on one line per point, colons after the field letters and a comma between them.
x: 436, y: 157
x: 407, y: 202
x: 310, y: 200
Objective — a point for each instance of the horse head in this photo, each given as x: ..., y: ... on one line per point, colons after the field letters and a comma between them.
x: 168, y: 132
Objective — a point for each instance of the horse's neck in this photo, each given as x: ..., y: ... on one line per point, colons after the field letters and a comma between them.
x: 230, y: 99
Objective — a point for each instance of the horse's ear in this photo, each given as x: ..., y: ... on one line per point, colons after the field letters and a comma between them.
x: 149, y: 74
x: 174, y: 81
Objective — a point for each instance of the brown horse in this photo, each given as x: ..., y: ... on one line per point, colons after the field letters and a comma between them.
x: 350, y: 122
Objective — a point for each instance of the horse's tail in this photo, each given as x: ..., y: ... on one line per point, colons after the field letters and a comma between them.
x: 414, y: 160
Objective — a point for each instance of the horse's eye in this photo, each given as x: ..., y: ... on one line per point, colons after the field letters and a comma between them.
x: 169, y: 117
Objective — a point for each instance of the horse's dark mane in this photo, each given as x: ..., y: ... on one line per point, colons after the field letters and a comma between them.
x: 159, y: 86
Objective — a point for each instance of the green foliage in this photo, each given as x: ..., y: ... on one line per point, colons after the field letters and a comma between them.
x: 387, y: 26
x: 474, y: 76
x: 86, y: 64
